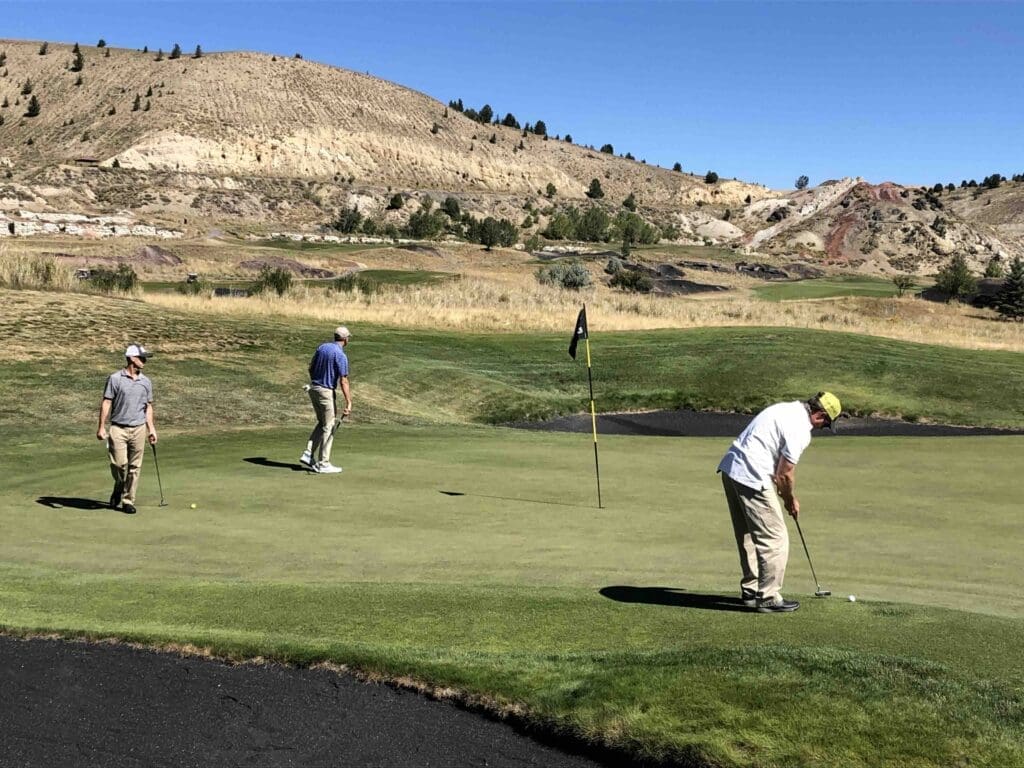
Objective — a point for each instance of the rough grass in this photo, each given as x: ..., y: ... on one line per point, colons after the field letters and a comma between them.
x: 478, y: 303
x: 253, y: 367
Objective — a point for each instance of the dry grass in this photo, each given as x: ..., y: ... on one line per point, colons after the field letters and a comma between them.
x: 514, y: 304
x: 22, y: 271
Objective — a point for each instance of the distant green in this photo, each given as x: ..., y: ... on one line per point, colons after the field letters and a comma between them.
x: 826, y: 287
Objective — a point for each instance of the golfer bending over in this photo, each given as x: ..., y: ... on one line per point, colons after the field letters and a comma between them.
x: 328, y: 367
x: 128, y: 403
x: 758, y: 468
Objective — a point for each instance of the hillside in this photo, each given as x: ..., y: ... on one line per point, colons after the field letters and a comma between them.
x: 253, y: 142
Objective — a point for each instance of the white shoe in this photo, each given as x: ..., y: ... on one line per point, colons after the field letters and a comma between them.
x: 306, y: 459
x: 326, y: 468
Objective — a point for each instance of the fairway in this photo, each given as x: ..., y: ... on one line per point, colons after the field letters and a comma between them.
x: 521, y: 589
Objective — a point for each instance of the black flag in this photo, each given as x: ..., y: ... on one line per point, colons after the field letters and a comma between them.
x: 580, y: 332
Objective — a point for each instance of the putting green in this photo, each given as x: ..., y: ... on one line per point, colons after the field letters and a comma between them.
x: 521, y: 590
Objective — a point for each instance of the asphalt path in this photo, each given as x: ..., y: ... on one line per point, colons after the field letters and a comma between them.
x: 114, y: 706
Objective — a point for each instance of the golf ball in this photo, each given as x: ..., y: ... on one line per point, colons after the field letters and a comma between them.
x: 851, y: 598
x: 193, y: 506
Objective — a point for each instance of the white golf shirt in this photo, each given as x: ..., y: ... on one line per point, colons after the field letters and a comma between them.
x: 783, y: 429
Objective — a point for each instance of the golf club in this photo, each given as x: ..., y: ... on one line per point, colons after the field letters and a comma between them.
x: 819, y: 592
x: 158, y: 480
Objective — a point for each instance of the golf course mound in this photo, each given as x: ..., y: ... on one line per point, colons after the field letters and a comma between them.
x: 711, y: 424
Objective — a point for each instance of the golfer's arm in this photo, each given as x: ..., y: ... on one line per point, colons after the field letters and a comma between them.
x: 104, y: 413
x: 785, y: 480
x: 150, y: 425
x: 346, y: 392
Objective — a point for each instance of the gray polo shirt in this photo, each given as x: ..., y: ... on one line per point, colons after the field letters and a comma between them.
x: 128, y: 398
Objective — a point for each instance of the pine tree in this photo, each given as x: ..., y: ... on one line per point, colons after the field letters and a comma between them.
x: 1010, y: 299
x: 137, y: 104
x: 79, y: 63
x: 102, y: 43
x: 198, y: 54
x: 955, y: 279
x: 26, y: 89
x: 802, y: 182
x: 540, y: 128
x: 159, y: 55
x: 76, y: 49
x: 175, y: 52
x: 146, y: 108
x: 149, y: 91
x: 33, y: 107
x: 678, y: 168
x: 44, y: 49
x: 595, y: 192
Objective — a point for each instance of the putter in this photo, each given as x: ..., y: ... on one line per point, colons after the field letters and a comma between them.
x: 819, y: 592
x: 158, y: 480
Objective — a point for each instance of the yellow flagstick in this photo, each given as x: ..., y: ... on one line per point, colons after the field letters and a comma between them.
x: 593, y: 423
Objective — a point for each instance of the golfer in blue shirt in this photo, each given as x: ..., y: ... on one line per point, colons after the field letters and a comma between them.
x: 327, y: 369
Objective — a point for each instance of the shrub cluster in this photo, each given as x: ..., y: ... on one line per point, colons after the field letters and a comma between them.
x: 123, y: 279
x: 273, y: 278
x: 632, y: 280
x: 572, y: 275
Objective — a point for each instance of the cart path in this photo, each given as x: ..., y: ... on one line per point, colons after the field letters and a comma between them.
x: 116, y: 706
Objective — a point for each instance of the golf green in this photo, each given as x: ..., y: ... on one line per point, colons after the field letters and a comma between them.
x: 477, y: 558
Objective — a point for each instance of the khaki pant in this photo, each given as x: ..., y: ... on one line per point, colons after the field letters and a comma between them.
x: 322, y: 435
x: 125, y: 447
x: 762, y: 538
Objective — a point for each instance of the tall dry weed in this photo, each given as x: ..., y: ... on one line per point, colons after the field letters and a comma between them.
x: 22, y: 271
x: 480, y: 304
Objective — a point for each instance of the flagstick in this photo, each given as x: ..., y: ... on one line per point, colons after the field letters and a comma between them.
x: 593, y: 422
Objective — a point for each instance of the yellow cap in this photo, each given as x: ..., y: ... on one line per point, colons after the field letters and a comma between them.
x: 830, y: 405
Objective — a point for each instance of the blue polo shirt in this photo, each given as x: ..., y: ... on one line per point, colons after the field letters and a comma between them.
x: 329, y: 364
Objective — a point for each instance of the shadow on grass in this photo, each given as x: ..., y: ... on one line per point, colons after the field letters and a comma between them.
x: 677, y: 598
x: 56, y: 502
x: 511, y: 498
x: 263, y: 461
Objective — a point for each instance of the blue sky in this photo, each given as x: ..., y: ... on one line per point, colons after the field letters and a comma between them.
x: 901, y: 91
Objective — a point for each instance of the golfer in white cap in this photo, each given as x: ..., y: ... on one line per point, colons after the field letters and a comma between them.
x: 327, y: 370
x: 128, y: 404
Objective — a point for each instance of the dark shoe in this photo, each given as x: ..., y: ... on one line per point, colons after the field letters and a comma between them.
x: 115, y: 498
x: 777, y: 605
x: 128, y: 509
x: 749, y: 599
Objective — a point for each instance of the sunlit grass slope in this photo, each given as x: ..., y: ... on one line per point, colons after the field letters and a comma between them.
x: 212, y: 371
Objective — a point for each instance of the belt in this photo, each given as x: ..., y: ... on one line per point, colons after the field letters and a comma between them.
x: 125, y: 426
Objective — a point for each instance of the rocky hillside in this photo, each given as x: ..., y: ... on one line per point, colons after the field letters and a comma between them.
x: 251, y: 142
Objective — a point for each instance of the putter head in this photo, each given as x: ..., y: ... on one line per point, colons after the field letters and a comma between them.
x: 163, y: 503
x: 822, y: 592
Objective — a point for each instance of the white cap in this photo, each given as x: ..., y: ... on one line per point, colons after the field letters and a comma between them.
x: 341, y: 332
x: 136, y: 350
